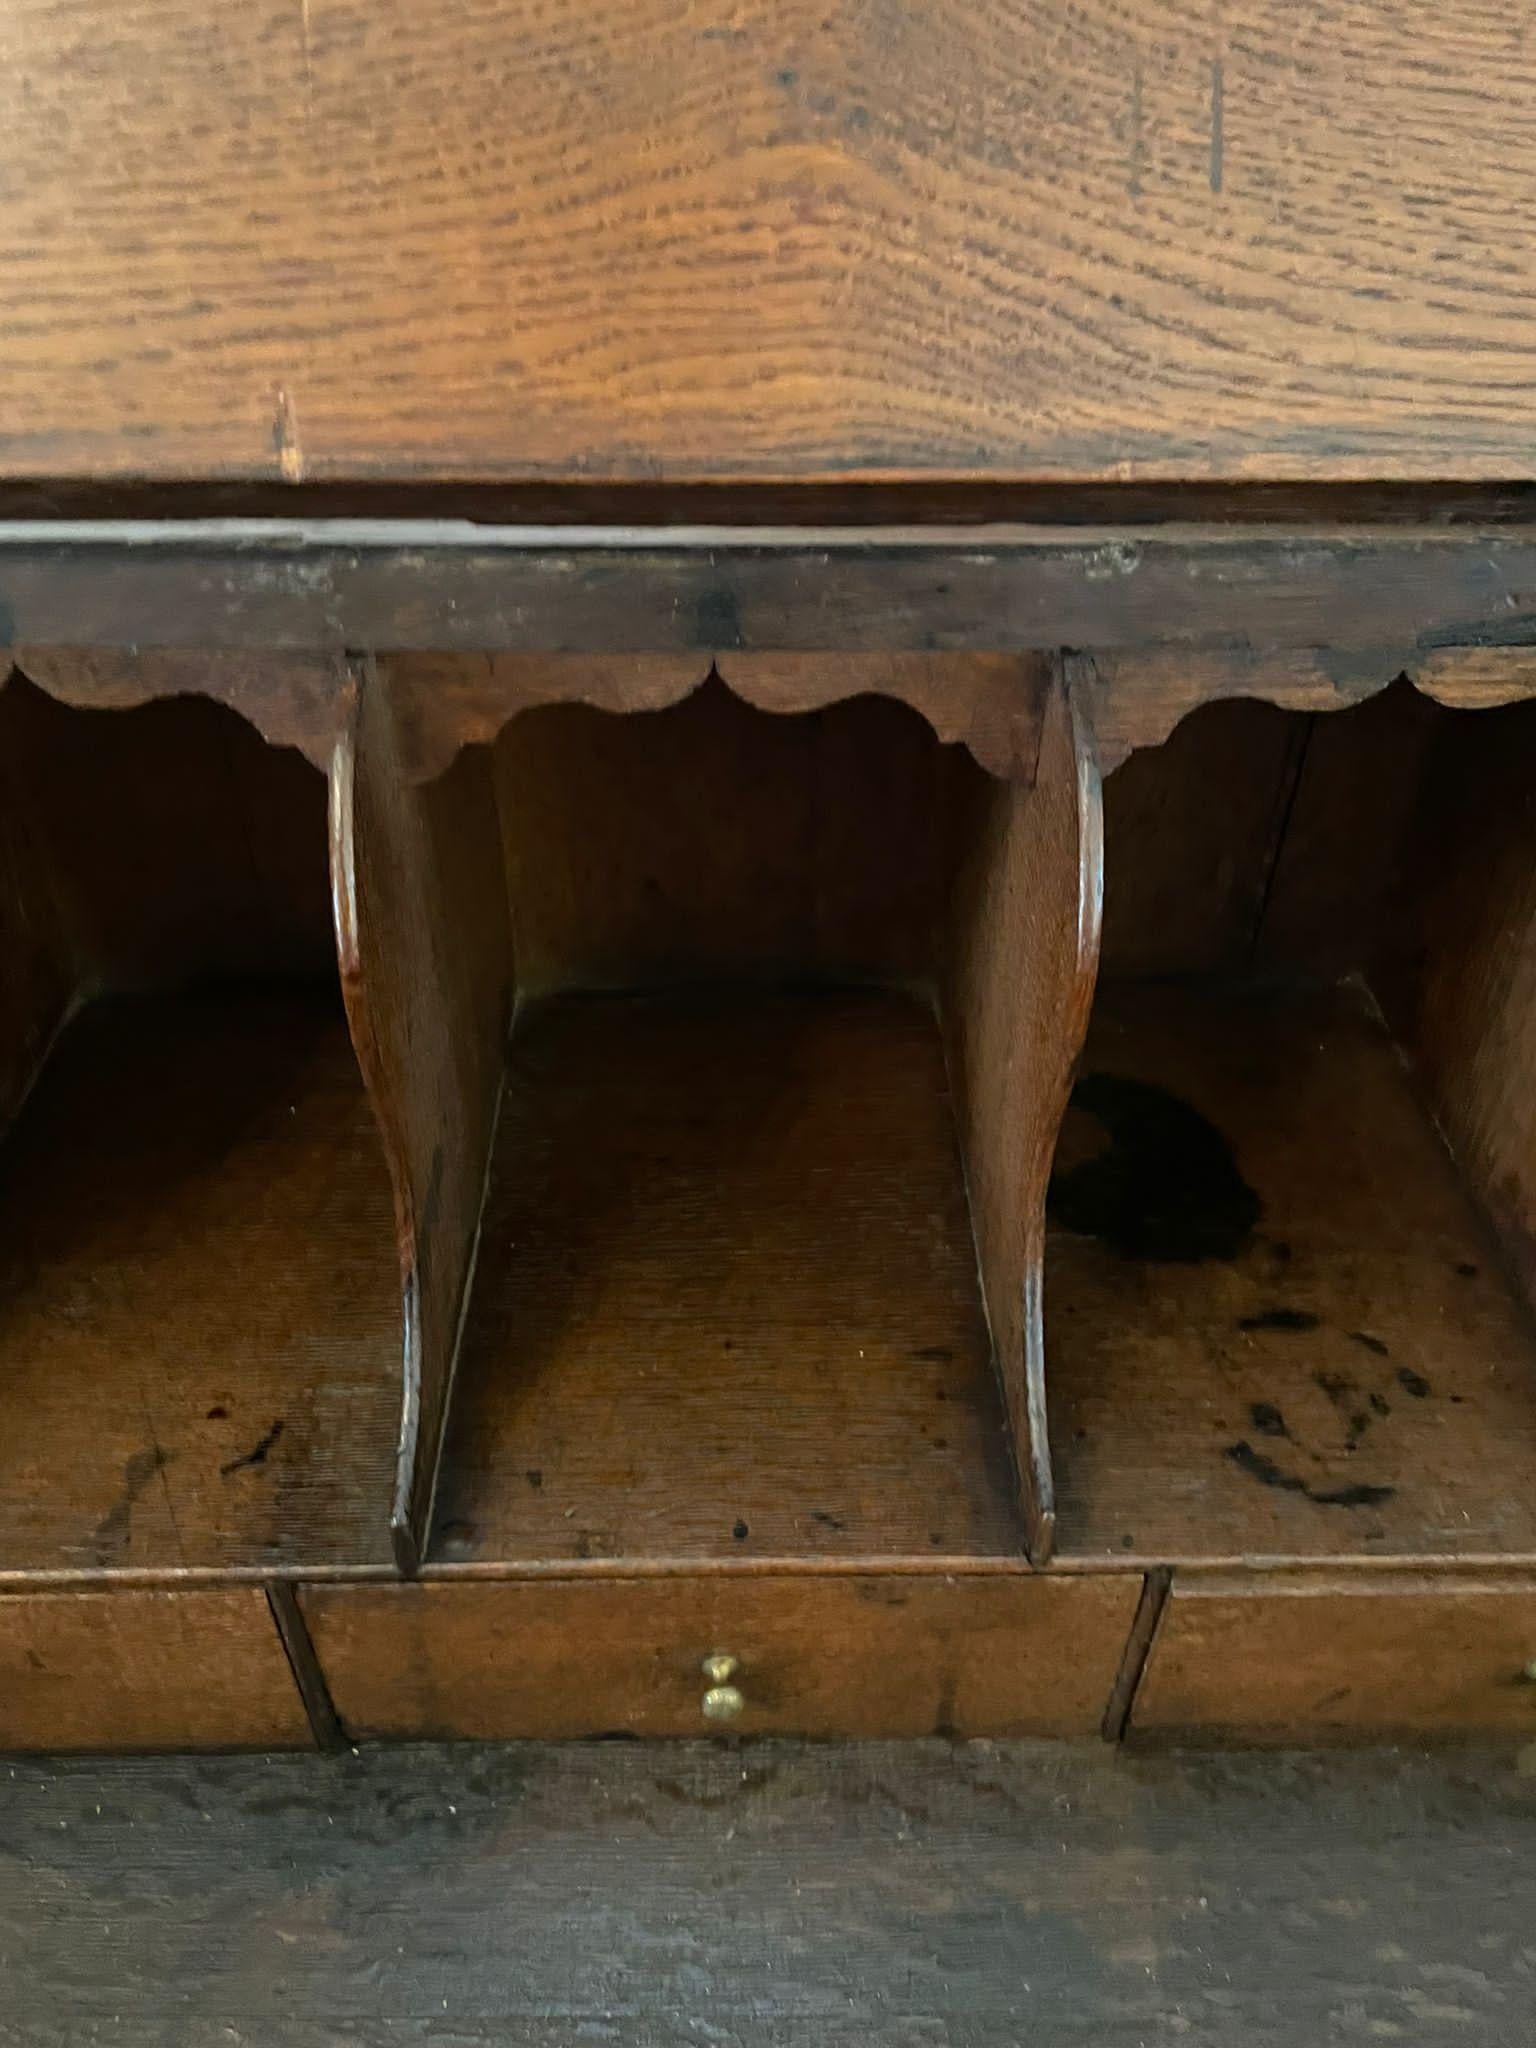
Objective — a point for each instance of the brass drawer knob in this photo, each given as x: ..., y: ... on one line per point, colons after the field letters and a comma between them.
x: 723, y: 1701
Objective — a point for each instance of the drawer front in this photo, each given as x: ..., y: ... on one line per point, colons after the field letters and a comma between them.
x: 1343, y: 1659
x: 146, y: 1670
x: 850, y: 1654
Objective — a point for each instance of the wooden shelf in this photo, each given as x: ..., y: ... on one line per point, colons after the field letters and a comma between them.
x: 726, y: 1305
x: 1332, y: 1367
x: 199, y: 1311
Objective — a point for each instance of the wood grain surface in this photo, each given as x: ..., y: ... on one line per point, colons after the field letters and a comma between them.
x: 199, y: 1344
x: 596, y: 239
x: 726, y: 1305
x: 1307, y: 1659
x: 709, y: 843
x: 193, y: 1669
x: 424, y: 946
x: 1351, y: 1377
x: 833, y: 1655
x: 977, y: 1894
x: 1023, y: 955
x: 1466, y: 1003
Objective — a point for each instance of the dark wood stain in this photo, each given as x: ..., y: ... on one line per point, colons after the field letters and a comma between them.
x: 1167, y: 1187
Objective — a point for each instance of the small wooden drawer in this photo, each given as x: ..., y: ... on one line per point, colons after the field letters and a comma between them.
x: 872, y: 1654
x: 135, y: 1669
x: 1337, y: 1658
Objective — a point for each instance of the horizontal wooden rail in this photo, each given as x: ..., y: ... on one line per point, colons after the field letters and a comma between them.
x: 1379, y: 594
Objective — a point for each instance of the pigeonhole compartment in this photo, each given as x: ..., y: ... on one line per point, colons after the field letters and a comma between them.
x: 1289, y: 1252
x: 199, y: 1298
x: 726, y: 1321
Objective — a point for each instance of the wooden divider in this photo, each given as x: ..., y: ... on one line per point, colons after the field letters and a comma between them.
x: 1016, y: 998
x: 424, y: 942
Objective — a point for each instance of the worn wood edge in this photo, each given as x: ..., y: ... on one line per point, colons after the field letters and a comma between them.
x: 1040, y: 1491
x: 357, y: 998
x: 415, y: 1501
x: 1514, y: 1569
x: 1194, y: 1582
x: 308, y: 1677
x: 290, y: 699
x: 1138, y: 1648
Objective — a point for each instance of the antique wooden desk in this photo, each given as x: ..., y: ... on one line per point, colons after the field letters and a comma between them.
x: 768, y: 868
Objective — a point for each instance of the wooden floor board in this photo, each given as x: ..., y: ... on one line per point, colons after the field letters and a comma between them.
x: 890, y: 1896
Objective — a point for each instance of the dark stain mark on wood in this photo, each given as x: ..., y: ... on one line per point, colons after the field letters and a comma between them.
x: 827, y: 1519
x: 1267, y: 1419
x: 1243, y: 1455
x: 934, y: 1354
x: 257, y: 1454
x: 740, y: 1532
x: 1413, y: 1383
x: 1380, y: 1404
x: 111, y: 1534
x: 1295, y: 1319
x: 217, y: 1413
x: 1166, y: 1188
x: 1371, y: 1343
x: 1336, y: 1386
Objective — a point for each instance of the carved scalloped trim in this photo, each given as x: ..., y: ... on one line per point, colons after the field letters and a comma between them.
x: 1139, y: 696
x: 989, y: 703
x: 292, y: 700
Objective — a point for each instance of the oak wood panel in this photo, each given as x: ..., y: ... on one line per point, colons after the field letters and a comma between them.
x: 199, y: 1334
x: 38, y: 984
x: 423, y: 941
x: 842, y: 1655
x: 1463, y: 992
x: 1307, y: 1659
x: 598, y: 240
x: 171, y: 843
x: 726, y: 1302
x: 711, y: 843
x: 1342, y: 1372
x: 193, y: 1669
x: 1018, y: 985
x: 1192, y: 829
x: 1341, y: 898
